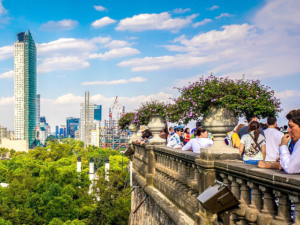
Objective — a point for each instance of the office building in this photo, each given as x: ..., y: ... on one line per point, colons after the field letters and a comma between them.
x: 56, y: 130
x: 38, y: 108
x: 25, y: 84
x: 72, y: 126
x: 93, y: 118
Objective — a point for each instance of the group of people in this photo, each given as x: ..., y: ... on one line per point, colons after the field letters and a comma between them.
x: 180, y: 138
x: 266, y: 146
x: 269, y: 146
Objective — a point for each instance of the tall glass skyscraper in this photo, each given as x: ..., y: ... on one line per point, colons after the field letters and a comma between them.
x: 25, y: 87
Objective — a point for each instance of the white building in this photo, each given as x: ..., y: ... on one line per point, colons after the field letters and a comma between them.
x: 25, y: 78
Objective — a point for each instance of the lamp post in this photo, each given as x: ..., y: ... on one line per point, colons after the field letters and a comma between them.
x: 122, y: 159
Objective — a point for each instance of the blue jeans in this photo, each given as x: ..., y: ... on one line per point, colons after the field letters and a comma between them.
x: 253, y: 162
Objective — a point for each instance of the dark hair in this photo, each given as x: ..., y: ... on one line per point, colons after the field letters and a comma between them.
x: 148, y: 133
x: 263, y: 126
x: 200, y: 130
x: 285, y: 127
x: 186, y: 129
x: 250, y: 118
x: 179, y: 129
x: 271, y: 121
x: 254, y: 126
x: 170, y: 128
x: 198, y: 124
x: 294, y: 116
x: 166, y: 130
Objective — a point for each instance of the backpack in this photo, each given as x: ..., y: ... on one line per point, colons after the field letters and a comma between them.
x: 228, y: 139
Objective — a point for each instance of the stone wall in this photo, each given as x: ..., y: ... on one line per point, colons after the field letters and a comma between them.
x: 149, y: 212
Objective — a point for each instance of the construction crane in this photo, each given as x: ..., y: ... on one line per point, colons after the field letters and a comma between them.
x: 121, y: 112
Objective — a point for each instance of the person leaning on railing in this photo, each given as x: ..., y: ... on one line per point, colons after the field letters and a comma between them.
x: 290, y: 162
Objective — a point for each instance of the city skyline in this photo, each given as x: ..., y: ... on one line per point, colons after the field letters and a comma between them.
x: 110, y: 49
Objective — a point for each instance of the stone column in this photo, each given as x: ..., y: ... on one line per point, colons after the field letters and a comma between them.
x: 134, y: 136
x: 151, y: 166
x: 245, y: 201
x: 284, y: 209
x: 296, y: 201
x: 256, y: 203
x: 267, y: 213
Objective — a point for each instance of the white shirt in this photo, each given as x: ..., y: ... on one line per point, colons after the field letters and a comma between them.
x: 174, y: 141
x: 273, y: 140
x: 290, y: 163
x: 197, y: 143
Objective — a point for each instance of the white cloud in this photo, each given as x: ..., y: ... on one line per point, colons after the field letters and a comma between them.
x: 7, y: 101
x: 6, y: 52
x: 62, y: 63
x: 103, y: 22
x: 180, y: 10
x: 214, y: 7
x: 223, y: 15
x: 287, y: 94
x: 116, y: 53
x: 66, y: 47
x: 99, y: 8
x: 205, y: 21
x: 2, y: 9
x: 165, y: 62
x: 162, y: 21
x: 117, y: 44
x: 66, y: 24
x: 101, y: 40
x: 113, y: 82
x: 7, y: 75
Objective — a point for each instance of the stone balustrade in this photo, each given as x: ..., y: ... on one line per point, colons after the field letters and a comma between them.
x: 174, y: 178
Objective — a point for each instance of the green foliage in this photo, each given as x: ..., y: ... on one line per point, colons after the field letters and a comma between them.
x: 125, y: 121
x: 245, y: 97
x: 148, y: 109
x: 45, y: 188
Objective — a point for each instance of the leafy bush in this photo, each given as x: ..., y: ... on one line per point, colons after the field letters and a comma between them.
x: 245, y: 97
x: 125, y: 121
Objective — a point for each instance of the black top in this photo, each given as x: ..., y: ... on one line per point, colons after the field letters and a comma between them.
x: 107, y: 160
x: 244, y: 131
x: 79, y: 159
x: 91, y: 160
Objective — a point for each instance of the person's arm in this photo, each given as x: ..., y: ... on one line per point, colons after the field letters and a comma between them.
x: 187, y: 146
x: 241, y: 149
x: 290, y: 163
x: 263, y: 151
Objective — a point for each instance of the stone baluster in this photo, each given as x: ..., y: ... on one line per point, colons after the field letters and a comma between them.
x: 256, y: 203
x: 269, y: 208
x: 296, y: 214
x: 226, y: 181
x: 235, y: 189
x: 244, y: 200
x: 134, y: 130
x: 284, y: 209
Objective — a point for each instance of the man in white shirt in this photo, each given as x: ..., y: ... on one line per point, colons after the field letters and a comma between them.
x: 273, y: 140
x: 290, y: 163
x: 201, y: 141
x: 174, y: 141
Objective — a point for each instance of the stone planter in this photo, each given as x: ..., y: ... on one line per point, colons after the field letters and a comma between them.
x: 219, y: 122
x: 134, y: 130
x: 156, y: 125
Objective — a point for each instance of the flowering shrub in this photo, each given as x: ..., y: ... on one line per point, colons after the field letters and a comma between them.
x: 244, y: 97
x: 148, y: 109
x: 125, y: 121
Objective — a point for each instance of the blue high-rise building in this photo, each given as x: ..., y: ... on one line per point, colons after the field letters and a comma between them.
x: 56, y: 130
x: 98, y: 112
x: 72, y: 125
x: 61, y: 132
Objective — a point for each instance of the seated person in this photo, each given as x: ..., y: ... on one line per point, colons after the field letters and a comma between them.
x: 253, y: 145
x: 201, y: 141
x: 174, y: 141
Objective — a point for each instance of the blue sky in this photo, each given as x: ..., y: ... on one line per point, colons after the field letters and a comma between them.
x: 139, y: 50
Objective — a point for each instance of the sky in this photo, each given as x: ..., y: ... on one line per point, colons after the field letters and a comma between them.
x: 140, y: 50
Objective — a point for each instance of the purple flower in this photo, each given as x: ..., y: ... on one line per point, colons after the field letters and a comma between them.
x: 241, y: 88
x: 201, y: 93
x: 202, y: 89
x: 250, y: 97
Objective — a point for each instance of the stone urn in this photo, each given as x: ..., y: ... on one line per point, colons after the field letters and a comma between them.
x: 133, y: 128
x: 219, y: 121
x: 156, y: 125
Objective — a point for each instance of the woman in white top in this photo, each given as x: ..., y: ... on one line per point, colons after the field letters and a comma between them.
x: 253, y: 145
x: 201, y: 141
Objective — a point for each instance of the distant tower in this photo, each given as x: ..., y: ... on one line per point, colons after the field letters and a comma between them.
x: 79, y: 164
x: 107, y: 168
x: 38, y: 109
x: 25, y: 88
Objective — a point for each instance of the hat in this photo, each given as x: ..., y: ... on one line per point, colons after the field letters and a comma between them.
x: 143, y: 128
